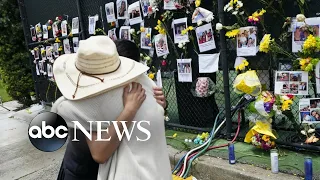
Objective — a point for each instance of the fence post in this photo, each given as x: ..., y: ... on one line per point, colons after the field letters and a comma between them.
x: 80, y: 20
x: 225, y: 68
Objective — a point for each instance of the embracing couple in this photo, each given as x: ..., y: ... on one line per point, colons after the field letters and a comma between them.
x: 104, y: 82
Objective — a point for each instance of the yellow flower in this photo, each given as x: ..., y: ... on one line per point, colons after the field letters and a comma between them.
x: 142, y: 29
x: 197, y: 3
x: 265, y: 43
x: 245, y: 62
x: 148, y: 35
x: 232, y: 33
x: 183, y: 32
x: 265, y: 138
x: 159, y: 22
x: 273, y: 144
x: 43, y: 51
x: 310, y: 43
x: 151, y: 76
x: 302, y: 62
x: 70, y: 35
x: 242, y: 66
x: 190, y: 28
x: 60, y: 48
x: 49, y: 28
x: 175, y: 135
x: 262, y: 12
x: 57, y: 40
x: 286, y: 105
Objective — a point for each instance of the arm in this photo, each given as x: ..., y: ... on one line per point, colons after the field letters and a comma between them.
x: 161, y: 99
x: 102, y: 150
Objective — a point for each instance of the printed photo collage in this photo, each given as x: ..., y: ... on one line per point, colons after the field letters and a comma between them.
x: 309, y: 110
x: 291, y: 82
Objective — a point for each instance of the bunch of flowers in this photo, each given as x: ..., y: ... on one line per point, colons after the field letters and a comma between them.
x: 185, y: 31
x: 248, y: 83
x: 283, y: 103
x: 309, y: 131
x: 234, y: 6
x: 160, y: 27
x: 233, y: 33
x: 308, y: 64
x: 256, y: 16
x: 270, y: 45
x: 261, y: 136
x: 203, y: 87
x: 145, y: 59
x: 197, y: 3
x: 200, y: 139
x: 263, y: 104
x: 242, y: 66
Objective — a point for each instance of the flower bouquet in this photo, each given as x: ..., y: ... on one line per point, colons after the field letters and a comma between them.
x: 263, y: 104
x: 247, y: 83
x: 261, y: 136
x: 203, y: 87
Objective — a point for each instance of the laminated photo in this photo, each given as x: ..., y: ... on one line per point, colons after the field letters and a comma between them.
x: 64, y: 28
x: 75, y: 25
x: 110, y: 13
x: 247, y: 41
x: 56, y: 50
x: 184, y: 70
x: 169, y: 4
x: 38, y: 30
x: 124, y: 33
x: 122, y: 7
x: 178, y: 26
x: 134, y: 13
x: 300, y: 32
x: 33, y: 33
x: 49, y: 69
x: 92, y: 24
x: 66, y: 46
x: 45, y: 32
x: 161, y: 45
x: 205, y: 38
x: 208, y: 63
x: 309, y: 110
x: 291, y: 82
x: 55, y: 29
x: 75, y: 41
x: 200, y: 14
x: 49, y: 52
x: 112, y: 34
x: 145, y: 4
x: 146, y: 42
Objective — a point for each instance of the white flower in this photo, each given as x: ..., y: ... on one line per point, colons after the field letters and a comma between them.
x: 186, y: 140
x: 187, y: 12
x: 311, y: 130
x: 44, y: 73
x: 166, y: 118
x: 209, y: 18
x: 300, y: 18
x: 190, y: 140
x: 141, y: 55
x: 132, y: 31
x: 303, y: 132
x: 235, y: 13
x: 184, y: 43
x: 147, y: 58
x: 240, y: 4
x: 180, y: 45
x: 226, y: 7
x: 199, y: 23
x: 165, y: 57
x: 241, y: 13
x: 229, y: 9
x: 219, y: 26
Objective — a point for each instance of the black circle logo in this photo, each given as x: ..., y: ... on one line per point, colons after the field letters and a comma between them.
x: 48, y: 132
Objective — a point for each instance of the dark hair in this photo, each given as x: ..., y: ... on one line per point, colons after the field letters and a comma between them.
x: 128, y: 49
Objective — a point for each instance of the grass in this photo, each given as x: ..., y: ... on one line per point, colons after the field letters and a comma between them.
x: 3, y: 93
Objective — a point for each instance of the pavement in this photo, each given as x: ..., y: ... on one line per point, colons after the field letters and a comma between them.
x: 21, y: 161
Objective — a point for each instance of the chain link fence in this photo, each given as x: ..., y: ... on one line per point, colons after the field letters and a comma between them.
x: 186, y: 112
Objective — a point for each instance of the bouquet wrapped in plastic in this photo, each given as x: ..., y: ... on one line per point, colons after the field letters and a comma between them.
x: 263, y: 104
x: 261, y: 136
x: 247, y: 83
x: 203, y: 87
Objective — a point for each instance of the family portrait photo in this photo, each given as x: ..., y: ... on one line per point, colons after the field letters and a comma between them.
x: 178, y: 26
x: 247, y: 41
x: 56, y: 50
x: 184, y: 70
x: 122, y: 9
x: 205, y: 38
x: 291, y: 82
x: 161, y: 45
x: 134, y: 13
x: 309, y: 110
x: 184, y: 67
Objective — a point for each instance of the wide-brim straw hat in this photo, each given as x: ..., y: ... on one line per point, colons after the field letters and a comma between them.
x: 95, y: 68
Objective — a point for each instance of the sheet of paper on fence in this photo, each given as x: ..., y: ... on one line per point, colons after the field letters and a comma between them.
x: 159, y: 79
x: 299, y: 36
x: 184, y: 70
x: 122, y: 11
x: 75, y: 25
x: 179, y: 25
x: 247, y: 41
x: 92, y: 25
x: 205, y: 38
x: 110, y: 12
x: 208, y: 63
x: 318, y: 77
x: 169, y: 5
x: 291, y: 82
x: 200, y: 14
x: 134, y: 13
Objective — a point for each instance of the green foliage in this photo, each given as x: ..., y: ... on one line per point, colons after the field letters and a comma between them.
x: 14, y: 69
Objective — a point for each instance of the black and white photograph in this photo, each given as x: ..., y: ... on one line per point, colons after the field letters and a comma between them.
x: 134, y: 13
x: 122, y: 6
x: 33, y: 33
x: 92, y: 24
x: 161, y: 45
x: 205, y: 38
x: 75, y: 41
x: 75, y: 25
x: 39, y: 30
x: 56, y: 50
x: 178, y: 26
x: 124, y: 33
x: 309, y: 110
x: 112, y: 34
x: 110, y: 13
x: 45, y: 32
x: 64, y: 28
x: 49, y: 69
x: 144, y: 5
x: 49, y: 52
x: 169, y: 4
x: 146, y: 42
x: 291, y: 82
x: 247, y: 41
x: 66, y: 46
x: 184, y: 70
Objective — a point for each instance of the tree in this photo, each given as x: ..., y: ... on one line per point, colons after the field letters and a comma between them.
x: 14, y: 62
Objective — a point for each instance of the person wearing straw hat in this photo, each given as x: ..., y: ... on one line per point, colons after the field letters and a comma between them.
x: 92, y: 82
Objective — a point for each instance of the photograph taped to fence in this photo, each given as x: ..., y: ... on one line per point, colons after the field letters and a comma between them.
x: 247, y: 41
x: 178, y: 26
x: 309, y: 110
x: 45, y: 32
x: 55, y: 29
x: 33, y: 33
x: 161, y: 45
x: 56, y: 50
x: 124, y: 32
x: 146, y: 42
x: 184, y: 70
x: 75, y: 42
x: 122, y: 6
x: 49, y: 52
x: 66, y: 46
x: 112, y: 34
x: 43, y: 54
x: 205, y: 38
x: 38, y: 30
x: 301, y: 32
x: 291, y: 82
x: 134, y: 13
x: 92, y: 24
x: 75, y: 25
x: 169, y: 4
x: 36, y: 54
x: 110, y: 13
x: 145, y: 4
x: 64, y: 28
x: 50, y: 72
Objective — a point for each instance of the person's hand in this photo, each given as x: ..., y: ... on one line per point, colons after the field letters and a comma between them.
x: 158, y: 94
x: 133, y: 99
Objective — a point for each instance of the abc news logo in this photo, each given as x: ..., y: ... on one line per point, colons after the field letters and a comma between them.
x: 48, y: 131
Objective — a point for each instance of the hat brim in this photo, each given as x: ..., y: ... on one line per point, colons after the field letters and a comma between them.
x: 66, y: 76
